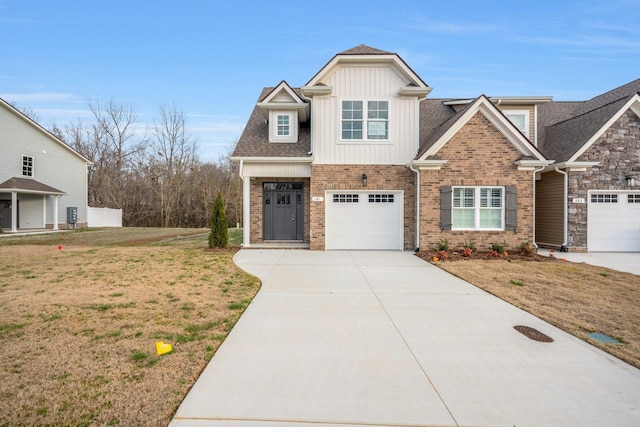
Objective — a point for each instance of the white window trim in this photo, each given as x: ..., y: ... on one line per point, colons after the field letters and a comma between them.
x: 33, y: 166
x: 527, y: 119
x: 477, y: 208
x: 273, y: 127
x: 365, y: 104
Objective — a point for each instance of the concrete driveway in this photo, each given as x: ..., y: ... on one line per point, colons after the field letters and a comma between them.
x: 386, y: 339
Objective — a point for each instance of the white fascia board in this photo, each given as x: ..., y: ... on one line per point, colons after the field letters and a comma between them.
x: 572, y: 166
x: 303, y: 109
x: 367, y: 59
x: 633, y: 104
x: 428, y: 165
x: 272, y: 159
x: 40, y: 193
x: 420, y: 92
x: 319, y: 90
x: 520, y: 100
x: 283, y: 86
x: 530, y: 165
x: 498, y: 120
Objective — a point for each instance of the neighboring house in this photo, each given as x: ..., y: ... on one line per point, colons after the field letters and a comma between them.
x: 40, y: 176
x: 590, y: 198
x: 359, y: 158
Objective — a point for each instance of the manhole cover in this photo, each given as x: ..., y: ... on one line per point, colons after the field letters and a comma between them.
x: 532, y: 333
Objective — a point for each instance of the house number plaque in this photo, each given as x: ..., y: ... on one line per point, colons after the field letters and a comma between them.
x: 578, y: 200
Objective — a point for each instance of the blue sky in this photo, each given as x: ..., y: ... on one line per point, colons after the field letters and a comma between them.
x: 212, y: 58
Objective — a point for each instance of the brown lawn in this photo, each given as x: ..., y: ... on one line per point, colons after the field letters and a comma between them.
x: 78, y: 325
x: 577, y: 298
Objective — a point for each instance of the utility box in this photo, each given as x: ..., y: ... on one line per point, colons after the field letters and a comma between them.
x: 72, y: 216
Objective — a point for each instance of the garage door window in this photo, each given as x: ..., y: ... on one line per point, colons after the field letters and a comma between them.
x: 345, y: 198
x: 380, y: 198
x: 633, y: 198
x: 604, y: 198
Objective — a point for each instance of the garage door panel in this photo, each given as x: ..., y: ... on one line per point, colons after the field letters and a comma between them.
x: 614, y: 222
x: 364, y: 222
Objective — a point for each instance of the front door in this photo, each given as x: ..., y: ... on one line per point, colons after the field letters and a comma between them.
x: 5, y: 214
x: 283, y: 211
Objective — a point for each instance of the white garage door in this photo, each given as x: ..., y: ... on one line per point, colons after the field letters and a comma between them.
x: 614, y: 222
x: 364, y: 220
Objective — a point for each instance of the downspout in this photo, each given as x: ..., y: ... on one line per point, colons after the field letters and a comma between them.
x: 565, y: 225
x: 417, y: 206
x: 535, y: 171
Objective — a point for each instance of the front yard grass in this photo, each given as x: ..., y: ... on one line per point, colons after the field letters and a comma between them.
x: 578, y: 298
x: 78, y: 325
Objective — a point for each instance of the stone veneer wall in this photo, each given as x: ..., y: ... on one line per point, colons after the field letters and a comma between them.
x: 618, y: 151
x: 477, y: 155
x: 255, y: 210
x: 349, y: 177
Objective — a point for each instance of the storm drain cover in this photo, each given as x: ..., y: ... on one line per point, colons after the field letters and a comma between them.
x: 599, y: 336
x: 532, y: 333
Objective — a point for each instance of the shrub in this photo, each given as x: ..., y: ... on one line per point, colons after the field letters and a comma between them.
x: 442, y: 255
x: 443, y: 245
x: 219, y: 236
x: 466, y: 252
x: 470, y: 245
x: 498, y: 247
x: 526, y: 249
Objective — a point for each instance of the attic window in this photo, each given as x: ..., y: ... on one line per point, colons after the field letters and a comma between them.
x: 520, y: 119
x: 27, y: 166
x: 283, y: 126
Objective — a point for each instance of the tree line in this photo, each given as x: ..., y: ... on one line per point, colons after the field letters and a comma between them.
x: 152, y: 171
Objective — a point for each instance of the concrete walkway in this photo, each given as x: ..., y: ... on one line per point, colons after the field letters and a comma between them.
x: 386, y: 339
x: 628, y: 262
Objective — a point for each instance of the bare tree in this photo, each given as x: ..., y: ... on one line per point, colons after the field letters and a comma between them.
x: 175, y: 156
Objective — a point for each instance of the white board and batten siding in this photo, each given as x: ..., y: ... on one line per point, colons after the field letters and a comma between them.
x: 275, y: 169
x: 55, y: 165
x: 613, y: 221
x: 366, y: 83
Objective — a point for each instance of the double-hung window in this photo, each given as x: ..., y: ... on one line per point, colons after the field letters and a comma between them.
x: 478, y: 208
x: 520, y: 119
x: 365, y: 120
x: 283, y: 125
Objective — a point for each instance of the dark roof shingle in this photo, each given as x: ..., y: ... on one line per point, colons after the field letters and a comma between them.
x: 30, y: 185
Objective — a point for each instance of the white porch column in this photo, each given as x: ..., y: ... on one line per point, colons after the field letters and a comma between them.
x: 246, y: 211
x: 44, y: 211
x: 14, y: 211
x: 55, y: 212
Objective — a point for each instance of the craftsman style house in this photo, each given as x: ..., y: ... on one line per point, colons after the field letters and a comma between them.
x: 40, y: 176
x: 361, y: 158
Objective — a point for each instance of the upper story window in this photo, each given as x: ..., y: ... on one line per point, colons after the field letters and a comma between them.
x: 478, y: 208
x: 520, y: 118
x: 284, y: 125
x: 27, y: 166
x: 365, y: 120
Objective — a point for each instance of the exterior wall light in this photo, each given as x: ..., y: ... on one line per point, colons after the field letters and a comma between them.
x: 364, y: 179
x: 631, y: 182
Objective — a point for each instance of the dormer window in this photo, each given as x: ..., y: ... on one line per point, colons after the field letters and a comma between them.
x: 283, y: 126
x: 27, y: 166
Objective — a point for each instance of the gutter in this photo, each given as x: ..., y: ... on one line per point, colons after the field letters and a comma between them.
x: 565, y: 224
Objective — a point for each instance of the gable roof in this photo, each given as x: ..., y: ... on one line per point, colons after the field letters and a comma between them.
x: 42, y: 130
x: 284, y: 97
x: 567, y: 129
x: 434, y: 136
x: 27, y: 185
x: 254, y: 141
x: 359, y: 54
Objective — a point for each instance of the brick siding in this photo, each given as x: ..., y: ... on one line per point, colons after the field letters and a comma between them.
x: 477, y: 155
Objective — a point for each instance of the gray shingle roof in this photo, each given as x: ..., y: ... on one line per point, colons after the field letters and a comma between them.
x: 30, y: 185
x: 364, y: 50
x: 254, y: 141
x: 435, y: 119
x: 564, y: 127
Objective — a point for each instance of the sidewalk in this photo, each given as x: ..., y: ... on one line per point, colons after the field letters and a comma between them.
x: 622, y: 261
